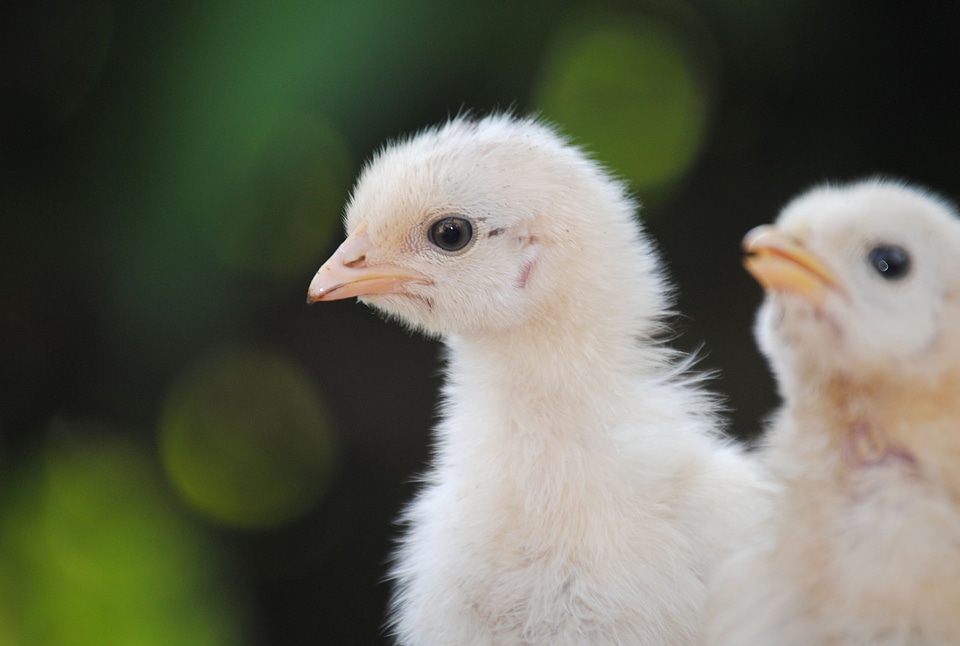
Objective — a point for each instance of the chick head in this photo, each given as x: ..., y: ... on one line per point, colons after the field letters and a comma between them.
x: 479, y: 226
x: 862, y: 278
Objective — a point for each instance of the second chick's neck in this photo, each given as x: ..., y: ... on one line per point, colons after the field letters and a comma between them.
x: 881, y: 422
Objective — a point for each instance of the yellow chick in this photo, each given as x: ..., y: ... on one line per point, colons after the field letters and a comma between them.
x: 861, y: 324
x: 579, y: 490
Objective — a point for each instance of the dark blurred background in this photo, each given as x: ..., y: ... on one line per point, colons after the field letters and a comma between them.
x: 188, y: 454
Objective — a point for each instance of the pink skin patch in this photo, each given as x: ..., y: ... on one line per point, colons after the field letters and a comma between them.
x: 864, y: 449
x: 525, y: 274
x: 527, y: 268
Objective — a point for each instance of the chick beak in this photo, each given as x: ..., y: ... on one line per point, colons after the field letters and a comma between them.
x: 349, y: 272
x: 780, y: 263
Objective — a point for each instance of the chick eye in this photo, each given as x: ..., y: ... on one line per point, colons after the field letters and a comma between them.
x: 451, y: 233
x: 891, y: 262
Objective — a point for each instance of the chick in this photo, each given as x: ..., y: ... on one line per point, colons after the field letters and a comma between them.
x: 579, y: 490
x: 861, y: 324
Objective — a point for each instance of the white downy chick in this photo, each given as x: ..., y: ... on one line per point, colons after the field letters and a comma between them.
x: 861, y: 324
x: 579, y: 491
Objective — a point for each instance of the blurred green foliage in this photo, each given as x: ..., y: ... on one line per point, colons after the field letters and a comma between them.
x: 286, y: 207
x: 93, y: 552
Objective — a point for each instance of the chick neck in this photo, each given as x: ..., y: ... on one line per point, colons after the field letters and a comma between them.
x: 882, y: 418
x: 568, y: 372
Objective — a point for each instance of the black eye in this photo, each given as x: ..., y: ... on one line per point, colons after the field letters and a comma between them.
x: 451, y: 233
x: 891, y: 262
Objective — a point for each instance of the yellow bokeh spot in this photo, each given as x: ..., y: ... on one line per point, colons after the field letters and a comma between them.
x: 93, y: 552
x: 629, y: 91
x: 245, y: 439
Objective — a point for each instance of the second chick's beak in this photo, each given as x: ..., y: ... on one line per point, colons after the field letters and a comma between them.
x: 778, y: 262
x: 353, y: 271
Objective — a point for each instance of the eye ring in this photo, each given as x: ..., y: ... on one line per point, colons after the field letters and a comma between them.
x: 451, y: 233
x: 890, y: 261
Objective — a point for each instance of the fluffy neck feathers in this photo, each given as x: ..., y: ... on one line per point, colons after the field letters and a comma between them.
x: 886, y: 420
x: 570, y: 372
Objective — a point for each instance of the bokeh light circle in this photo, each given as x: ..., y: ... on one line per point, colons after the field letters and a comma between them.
x: 245, y: 439
x: 94, y: 550
x: 631, y: 92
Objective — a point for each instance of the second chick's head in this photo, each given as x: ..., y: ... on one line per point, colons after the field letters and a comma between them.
x: 481, y: 226
x: 861, y: 279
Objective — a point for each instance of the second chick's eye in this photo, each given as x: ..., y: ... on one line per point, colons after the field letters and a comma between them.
x: 452, y: 233
x: 889, y: 261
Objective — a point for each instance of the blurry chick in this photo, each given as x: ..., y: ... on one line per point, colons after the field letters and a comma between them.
x: 579, y: 491
x: 861, y: 325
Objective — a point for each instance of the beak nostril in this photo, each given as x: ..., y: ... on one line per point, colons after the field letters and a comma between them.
x: 356, y: 261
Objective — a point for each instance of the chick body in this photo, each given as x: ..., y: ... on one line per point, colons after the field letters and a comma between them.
x: 579, y: 490
x: 861, y: 542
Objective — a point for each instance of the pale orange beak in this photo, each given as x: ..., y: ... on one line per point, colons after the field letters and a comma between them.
x: 780, y: 263
x: 349, y: 272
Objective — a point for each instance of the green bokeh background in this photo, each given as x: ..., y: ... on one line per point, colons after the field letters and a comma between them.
x: 190, y: 455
